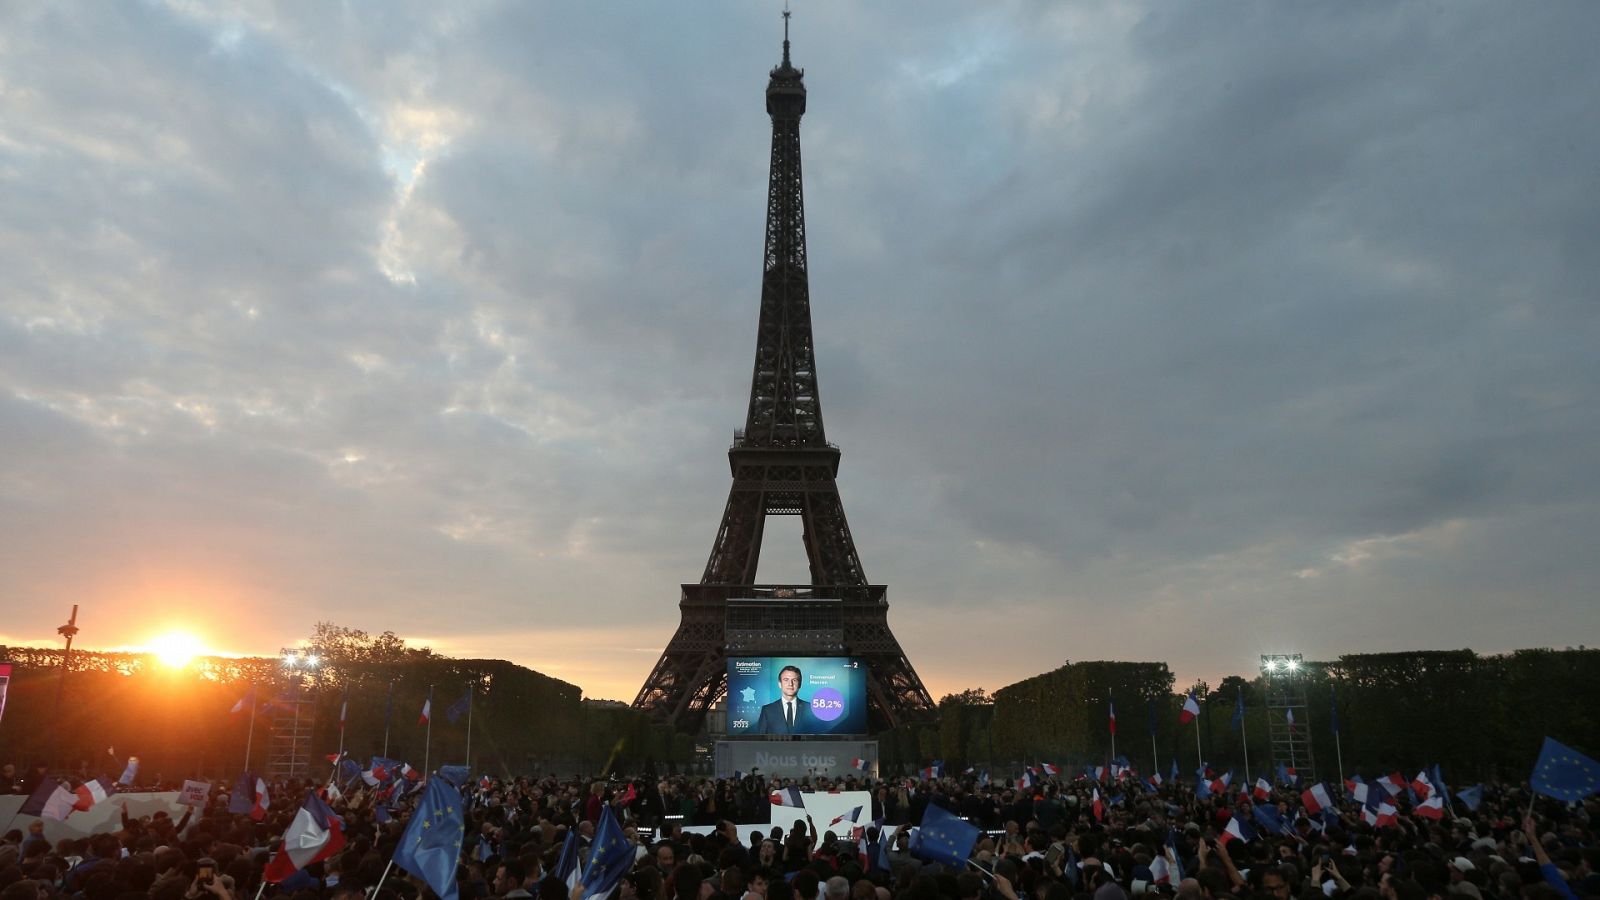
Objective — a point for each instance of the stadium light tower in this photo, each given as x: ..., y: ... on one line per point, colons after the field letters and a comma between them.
x: 1288, y: 722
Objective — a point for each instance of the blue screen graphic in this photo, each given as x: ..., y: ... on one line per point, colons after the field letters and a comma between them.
x: 826, y: 695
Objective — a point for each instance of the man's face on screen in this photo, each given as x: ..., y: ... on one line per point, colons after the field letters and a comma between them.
x: 789, y: 683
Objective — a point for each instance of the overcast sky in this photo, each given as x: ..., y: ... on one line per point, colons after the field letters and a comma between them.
x: 1180, y: 332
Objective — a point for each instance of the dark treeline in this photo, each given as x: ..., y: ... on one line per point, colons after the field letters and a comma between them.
x: 177, y: 721
x: 1478, y: 716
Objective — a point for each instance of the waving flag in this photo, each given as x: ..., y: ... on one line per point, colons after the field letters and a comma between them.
x: 1287, y: 775
x: 1238, y: 830
x: 1160, y: 871
x: 1422, y: 786
x: 427, y: 708
x: 1191, y: 709
x: 945, y: 838
x: 1028, y: 780
x: 1262, y: 790
x: 1431, y: 808
x: 131, y: 773
x: 1172, y: 854
x: 859, y: 764
x: 431, y: 844
x: 1050, y: 769
x: 846, y: 817
x: 1266, y: 815
x: 1202, y: 788
x: 610, y: 858
x: 1098, y: 807
x: 1316, y: 799
x: 1471, y: 797
x: 789, y: 796
x: 1564, y: 773
x: 567, y: 864
x: 1220, y: 785
x: 1111, y: 708
x: 91, y: 793
x: 260, y: 801
x: 459, y: 708
x: 1393, y: 782
x: 49, y: 801
x: 936, y: 770
x: 314, y: 835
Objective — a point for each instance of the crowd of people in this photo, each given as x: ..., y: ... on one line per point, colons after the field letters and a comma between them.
x: 1048, y: 840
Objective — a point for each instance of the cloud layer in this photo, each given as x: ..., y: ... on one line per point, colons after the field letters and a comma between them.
x: 1148, y: 332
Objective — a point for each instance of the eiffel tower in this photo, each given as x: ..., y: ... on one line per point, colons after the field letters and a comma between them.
x: 783, y: 465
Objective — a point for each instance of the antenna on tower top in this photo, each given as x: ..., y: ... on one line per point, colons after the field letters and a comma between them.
x: 786, y: 34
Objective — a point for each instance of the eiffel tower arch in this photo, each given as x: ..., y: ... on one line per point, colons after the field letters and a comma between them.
x: 783, y: 465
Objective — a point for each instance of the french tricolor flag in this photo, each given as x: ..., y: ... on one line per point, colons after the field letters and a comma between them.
x: 1238, y: 830
x: 789, y: 796
x: 1099, y: 807
x: 860, y: 765
x: 929, y: 773
x: 1422, y: 785
x: 315, y: 834
x: 1316, y: 799
x: 1393, y: 782
x: 427, y: 709
x: 846, y: 817
x: 1220, y: 785
x: 1431, y: 808
x: 1050, y: 769
x: 1160, y: 870
x: 258, y: 810
x: 1262, y: 790
x: 91, y: 793
x: 1191, y: 709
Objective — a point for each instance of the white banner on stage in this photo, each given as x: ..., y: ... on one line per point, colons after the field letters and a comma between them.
x: 106, y: 815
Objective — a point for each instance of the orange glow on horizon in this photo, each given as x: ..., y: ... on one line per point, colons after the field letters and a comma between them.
x: 177, y: 649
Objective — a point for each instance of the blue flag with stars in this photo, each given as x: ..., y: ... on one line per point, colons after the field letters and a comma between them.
x: 609, y: 859
x: 1564, y: 773
x: 946, y: 838
x: 431, y: 845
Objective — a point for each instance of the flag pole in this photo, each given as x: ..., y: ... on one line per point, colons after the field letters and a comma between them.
x: 470, y: 692
x: 427, y: 742
x: 1199, y: 755
x: 383, y: 877
x: 1244, y: 738
x: 1155, y: 757
x: 1333, y: 703
x: 1112, y: 708
x: 250, y: 736
x: 388, y: 717
x: 344, y: 707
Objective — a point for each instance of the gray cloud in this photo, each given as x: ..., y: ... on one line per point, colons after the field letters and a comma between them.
x: 1268, y: 324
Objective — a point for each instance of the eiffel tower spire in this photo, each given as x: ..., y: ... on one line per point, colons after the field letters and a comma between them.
x: 785, y: 410
x: 782, y: 464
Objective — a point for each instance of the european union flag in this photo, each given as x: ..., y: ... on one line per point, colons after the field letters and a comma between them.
x: 1268, y: 818
x: 431, y: 845
x: 946, y: 838
x: 567, y: 863
x: 455, y: 775
x: 609, y: 859
x: 243, y: 798
x: 460, y: 707
x: 1238, y: 712
x: 1471, y: 797
x: 1564, y: 773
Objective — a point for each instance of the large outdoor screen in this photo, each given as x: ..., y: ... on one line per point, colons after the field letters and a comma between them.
x: 782, y: 695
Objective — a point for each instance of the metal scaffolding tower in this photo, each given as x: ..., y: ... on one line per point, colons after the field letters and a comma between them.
x: 1283, y: 677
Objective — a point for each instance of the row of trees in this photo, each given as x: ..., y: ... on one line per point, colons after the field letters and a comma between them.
x: 178, y: 721
x: 1478, y: 716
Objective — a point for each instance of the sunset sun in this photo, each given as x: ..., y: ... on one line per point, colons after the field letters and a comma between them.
x: 176, y: 648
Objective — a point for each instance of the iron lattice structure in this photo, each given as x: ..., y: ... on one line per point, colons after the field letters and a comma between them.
x: 1288, y: 720
x: 782, y: 465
